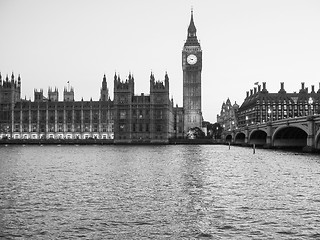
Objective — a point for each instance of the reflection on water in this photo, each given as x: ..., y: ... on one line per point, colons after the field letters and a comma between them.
x: 157, y: 192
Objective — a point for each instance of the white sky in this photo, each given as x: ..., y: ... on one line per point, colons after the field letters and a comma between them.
x: 243, y: 42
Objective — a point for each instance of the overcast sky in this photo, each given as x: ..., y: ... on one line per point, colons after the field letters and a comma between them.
x: 52, y: 42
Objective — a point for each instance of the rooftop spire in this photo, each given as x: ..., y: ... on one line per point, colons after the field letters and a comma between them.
x: 166, y: 76
x: 192, y: 28
x: 192, y: 33
x: 151, y: 76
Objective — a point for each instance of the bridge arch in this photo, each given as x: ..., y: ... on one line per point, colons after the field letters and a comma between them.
x: 240, y: 137
x: 290, y: 136
x: 258, y: 137
x: 229, y: 138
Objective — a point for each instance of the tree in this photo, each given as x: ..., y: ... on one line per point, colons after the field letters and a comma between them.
x: 215, y: 130
x: 195, y: 133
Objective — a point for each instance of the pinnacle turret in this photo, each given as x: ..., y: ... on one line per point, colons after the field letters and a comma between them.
x: 104, y: 91
x: 115, y: 77
x: 192, y: 28
x: 152, y: 77
x: 104, y: 83
x: 192, y: 33
x: 166, y: 80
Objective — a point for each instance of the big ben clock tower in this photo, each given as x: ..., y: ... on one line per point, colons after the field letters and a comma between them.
x: 191, y: 66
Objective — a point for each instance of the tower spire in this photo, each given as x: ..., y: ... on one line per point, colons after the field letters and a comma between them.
x: 192, y: 33
x: 192, y: 28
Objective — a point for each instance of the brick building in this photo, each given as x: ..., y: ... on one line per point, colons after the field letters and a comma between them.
x: 261, y: 106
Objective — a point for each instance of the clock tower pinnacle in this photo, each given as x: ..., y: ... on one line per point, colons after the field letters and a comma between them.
x: 192, y: 33
x: 191, y: 67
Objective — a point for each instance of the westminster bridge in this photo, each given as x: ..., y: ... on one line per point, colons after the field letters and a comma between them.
x: 300, y: 132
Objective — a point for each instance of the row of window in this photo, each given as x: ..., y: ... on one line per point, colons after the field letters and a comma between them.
x: 290, y: 107
x: 140, y: 137
x: 288, y: 102
x: 44, y: 107
x: 158, y: 114
x: 58, y: 128
x: 295, y: 112
x: 60, y: 136
x: 258, y: 118
x: 140, y: 127
x: 192, y: 119
x: 61, y: 117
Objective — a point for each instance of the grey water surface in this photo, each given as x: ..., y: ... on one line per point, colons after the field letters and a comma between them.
x: 158, y: 192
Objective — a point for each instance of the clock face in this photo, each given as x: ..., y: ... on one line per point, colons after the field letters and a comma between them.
x: 192, y: 59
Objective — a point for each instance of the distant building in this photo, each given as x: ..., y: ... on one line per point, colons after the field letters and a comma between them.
x: 261, y: 106
x: 227, y: 118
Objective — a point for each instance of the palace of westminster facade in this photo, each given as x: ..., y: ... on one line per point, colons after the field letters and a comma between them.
x: 128, y: 118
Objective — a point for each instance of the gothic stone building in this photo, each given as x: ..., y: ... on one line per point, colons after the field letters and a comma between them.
x: 144, y: 118
x: 46, y: 118
x: 129, y: 118
x: 227, y: 118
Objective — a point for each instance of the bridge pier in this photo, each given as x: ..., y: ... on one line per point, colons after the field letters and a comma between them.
x: 246, y: 139
x: 269, y: 136
x: 311, y: 146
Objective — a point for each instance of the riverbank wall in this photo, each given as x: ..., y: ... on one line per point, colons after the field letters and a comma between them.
x: 100, y: 142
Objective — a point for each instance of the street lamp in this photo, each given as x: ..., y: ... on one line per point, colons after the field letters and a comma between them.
x: 310, y: 101
x: 216, y: 133
x: 247, y: 120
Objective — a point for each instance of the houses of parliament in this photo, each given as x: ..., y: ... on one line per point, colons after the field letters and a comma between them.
x: 128, y: 118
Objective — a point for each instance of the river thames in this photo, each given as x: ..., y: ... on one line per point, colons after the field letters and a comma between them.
x: 158, y: 192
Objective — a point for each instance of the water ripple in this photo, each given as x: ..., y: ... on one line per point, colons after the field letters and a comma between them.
x: 157, y: 192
